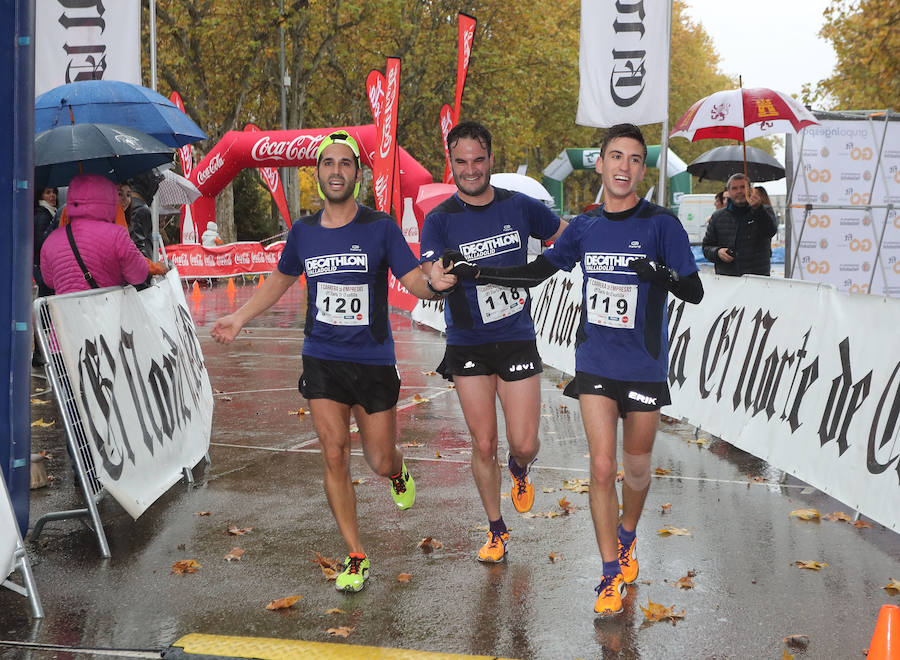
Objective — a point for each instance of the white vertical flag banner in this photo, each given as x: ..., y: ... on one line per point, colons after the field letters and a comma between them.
x: 86, y: 40
x: 623, y: 63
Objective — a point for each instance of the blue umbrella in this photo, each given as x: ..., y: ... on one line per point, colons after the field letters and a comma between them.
x: 116, y: 152
x: 115, y: 102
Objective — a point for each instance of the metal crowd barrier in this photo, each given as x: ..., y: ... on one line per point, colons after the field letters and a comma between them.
x: 21, y: 563
x: 76, y: 438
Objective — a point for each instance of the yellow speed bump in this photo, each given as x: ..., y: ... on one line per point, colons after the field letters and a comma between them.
x: 264, y: 648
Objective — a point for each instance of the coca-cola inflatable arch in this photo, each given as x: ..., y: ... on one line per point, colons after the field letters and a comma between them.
x: 238, y: 150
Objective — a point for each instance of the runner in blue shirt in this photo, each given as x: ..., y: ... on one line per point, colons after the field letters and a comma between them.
x: 632, y: 254
x: 491, y: 348
x: 345, y: 251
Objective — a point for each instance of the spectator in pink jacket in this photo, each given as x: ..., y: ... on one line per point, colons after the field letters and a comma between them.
x: 106, y: 249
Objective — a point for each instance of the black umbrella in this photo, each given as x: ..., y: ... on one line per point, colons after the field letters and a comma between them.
x: 64, y: 152
x: 720, y: 163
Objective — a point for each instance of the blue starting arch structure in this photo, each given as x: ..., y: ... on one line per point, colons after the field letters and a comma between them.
x: 573, y: 159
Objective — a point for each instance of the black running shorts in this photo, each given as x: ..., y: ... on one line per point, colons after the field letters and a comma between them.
x: 510, y: 360
x: 629, y: 395
x: 374, y: 387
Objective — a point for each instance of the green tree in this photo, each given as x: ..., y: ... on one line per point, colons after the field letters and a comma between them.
x: 866, y: 39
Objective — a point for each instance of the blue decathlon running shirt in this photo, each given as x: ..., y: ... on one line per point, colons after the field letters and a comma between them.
x: 623, y: 331
x: 347, y: 284
x: 495, y: 234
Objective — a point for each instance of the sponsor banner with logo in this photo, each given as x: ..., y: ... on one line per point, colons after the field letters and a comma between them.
x: 376, y: 89
x: 847, y: 164
x: 243, y: 258
x: 86, y: 41
x: 9, y: 532
x: 142, y: 390
x: 800, y: 375
x: 189, y: 233
x: 446, y: 125
x: 465, y: 36
x: 623, y: 63
x: 272, y: 181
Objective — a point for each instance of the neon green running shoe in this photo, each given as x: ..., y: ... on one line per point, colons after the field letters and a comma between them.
x: 403, y: 488
x: 355, y: 574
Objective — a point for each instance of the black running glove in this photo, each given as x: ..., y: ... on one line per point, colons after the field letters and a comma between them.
x: 650, y: 271
x: 464, y: 270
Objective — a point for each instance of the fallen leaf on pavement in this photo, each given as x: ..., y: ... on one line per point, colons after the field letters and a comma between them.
x: 330, y: 567
x: 299, y: 413
x: 837, y: 516
x: 226, y: 398
x: 283, y: 603
x: 566, y: 506
x: 563, y: 408
x: 201, y: 513
x: 799, y: 641
x: 480, y: 528
x: 666, y: 419
x: 698, y: 441
x: 577, y: 485
x: 437, y: 454
x: 669, y: 530
x: 404, y: 577
x: 46, y: 456
x: 561, y: 386
x: 546, y: 490
x: 545, y: 514
x: 553, y: 557
x: 430, y: 373
x: 787, y: 656
x: 185, y: 566
x: 334, y: 610
x: 429, y: 544
x: 236, y: 553
x: 861, y: 524
x: 685, y: 582
x: 805, y: 514
x: 661, y: 471
x: 343, y: 631
x: 235, y: 531
x: 893, y: 586
x: 655, y: 612
x: 665, y: 508
x: 41, y: 423
x: 811, y: 564
x: 39, y: 402
x: 357, y: 482
x: 419, y: 398
x: 413, y: 444
x: 756, y: 480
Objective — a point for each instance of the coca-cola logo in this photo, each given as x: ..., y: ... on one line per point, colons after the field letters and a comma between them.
x: 376, y: 95
x: 468, y: 35
x: 381, y: 191
x: 242, y: 258
x: 387, y: 139
x: 212, y: 167
x: 302, y: 147
x: 270, y: 176
x: 446, y: 121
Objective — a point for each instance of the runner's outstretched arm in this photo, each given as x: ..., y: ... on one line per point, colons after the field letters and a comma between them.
x: 528, y: 275
x: 688, y: 288
x: 227, y: 327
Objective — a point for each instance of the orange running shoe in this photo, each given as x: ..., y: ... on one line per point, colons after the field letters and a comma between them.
x: 522, y: 491
x: 609, y: 595
x: 494, y: 551
x: 628, y: 562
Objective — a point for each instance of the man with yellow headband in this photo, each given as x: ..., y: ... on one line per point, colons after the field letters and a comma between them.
x: 349, y: 366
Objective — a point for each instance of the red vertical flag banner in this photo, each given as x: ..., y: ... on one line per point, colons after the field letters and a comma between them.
x: 389, y: 131
x: 270, y: 177
x: 465, y: 39
x: 189, y: 233
x: 382, y: 171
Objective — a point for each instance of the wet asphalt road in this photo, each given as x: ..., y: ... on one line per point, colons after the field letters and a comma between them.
x: 265, y: 473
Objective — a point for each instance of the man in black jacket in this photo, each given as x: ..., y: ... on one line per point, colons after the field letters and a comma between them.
x: 738, y: 237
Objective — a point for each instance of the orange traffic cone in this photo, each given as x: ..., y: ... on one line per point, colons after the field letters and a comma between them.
x: 885, y: 643
x: 230, y: 286
x: 195, y: 292
x: 262, y: 278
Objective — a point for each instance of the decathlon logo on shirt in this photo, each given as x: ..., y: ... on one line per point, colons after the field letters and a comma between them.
x: 336, y: 263
x: 608, y: 262
x: 488, y: 247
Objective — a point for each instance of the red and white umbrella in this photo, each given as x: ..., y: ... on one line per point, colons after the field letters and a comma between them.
x: 743, y: 114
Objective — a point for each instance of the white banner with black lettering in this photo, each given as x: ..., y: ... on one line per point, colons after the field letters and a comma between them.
x: 623, y: 62
x: 9, y: 532
x: 137, y: 372
x: 86, y: 40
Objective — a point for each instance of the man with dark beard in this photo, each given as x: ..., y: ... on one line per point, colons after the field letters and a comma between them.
x: 349, y: 365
